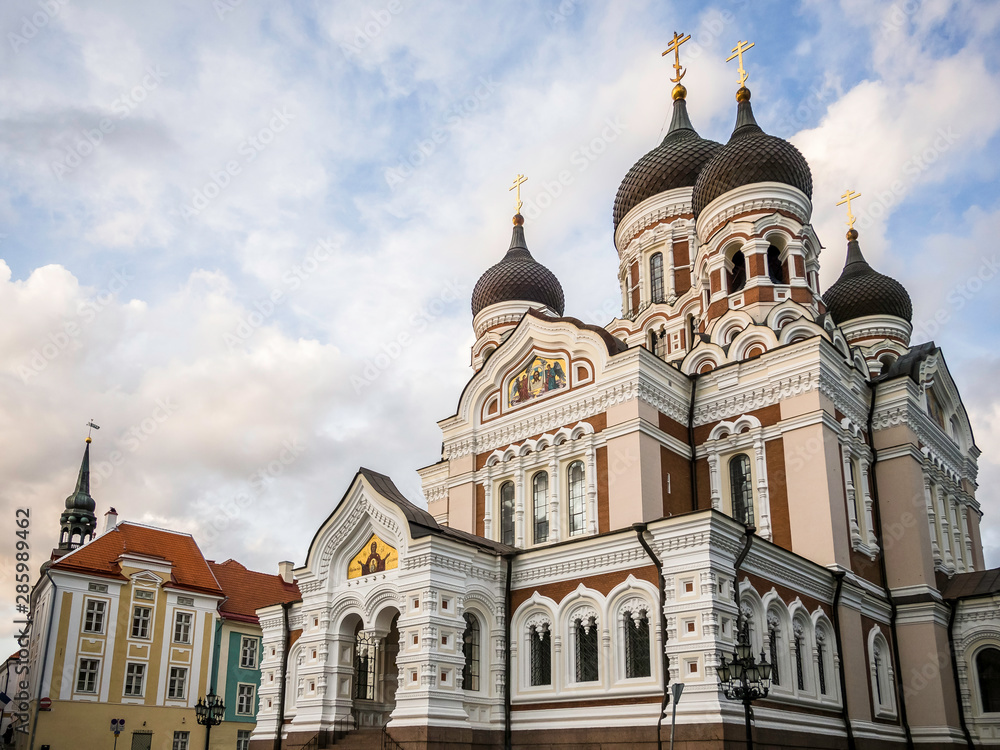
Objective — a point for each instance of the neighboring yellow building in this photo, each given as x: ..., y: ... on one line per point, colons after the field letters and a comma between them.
x: 125, y: 627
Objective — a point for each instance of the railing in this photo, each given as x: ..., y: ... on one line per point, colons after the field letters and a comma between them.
x: 388, y: 741
x: 326, y: 738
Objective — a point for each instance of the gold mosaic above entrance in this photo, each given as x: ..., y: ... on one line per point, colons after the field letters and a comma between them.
x: 375, y: 557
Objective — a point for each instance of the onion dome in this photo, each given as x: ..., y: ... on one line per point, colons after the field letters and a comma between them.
x: 862, y: 291
x: 675, y: 163
x: 518, y: 277
x: 750, y: 156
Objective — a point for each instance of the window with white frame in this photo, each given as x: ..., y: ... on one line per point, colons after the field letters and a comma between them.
x: 141, y: 617
x: 882, y: 675
x: 470, y: 650
x: 741, y: 489
x: 181, y: 741
x: 577, y: 498
x: 243, y: 739
x: 540, y: 505
x: 248, y: 652
x: 988, y: 679
x: 800, y: 655
x: 539, y: 654
x: 244, y: 699
x: 637, y: 644
x: 587, y: 645
x: 135, y: 675
x: 656, y: 277
x: 507, y: 513
x: 774, y: 647
x: 86, y: 678
x: 823, y: 662
x: 93, y: 617
x: 177, y: 683
x: 182, y: 627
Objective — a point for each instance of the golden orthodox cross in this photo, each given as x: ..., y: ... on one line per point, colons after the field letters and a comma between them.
x: 675, y: 47
x: 847, y: 197
x: 517, y: 186
x: 738, y: 51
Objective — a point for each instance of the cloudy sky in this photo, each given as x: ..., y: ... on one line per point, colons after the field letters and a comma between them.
x: 218, y: 221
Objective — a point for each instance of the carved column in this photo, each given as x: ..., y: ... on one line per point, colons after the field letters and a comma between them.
x: 956, y: 530
x: 852, y: 508
x: 866, y: 494
x: 519, y: 505
x: 488, y: 509
x: 967, y: 538
x: 713, y: 479
x: 931, y: 519
x: 763, y: 498
x: 942, y: 501
x: 553, y: 495
x: 591, y: 485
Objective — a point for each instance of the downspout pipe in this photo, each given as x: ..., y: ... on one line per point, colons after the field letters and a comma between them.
x: 838, y: 577
x: 285, y: 609
x: 640, y: 530
x: 507, y: 735
x: 694, y: 468
x: 953, y: 604
x: 45, y: 659
x: 877, y: 509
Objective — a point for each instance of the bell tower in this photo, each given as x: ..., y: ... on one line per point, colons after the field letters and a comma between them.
x: 78, y: 522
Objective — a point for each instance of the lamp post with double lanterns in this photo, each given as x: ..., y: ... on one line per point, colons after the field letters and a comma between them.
x: 209, y: 712
x: 742, y: 677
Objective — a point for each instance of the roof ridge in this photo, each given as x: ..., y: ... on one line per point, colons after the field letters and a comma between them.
x: 153, y: 528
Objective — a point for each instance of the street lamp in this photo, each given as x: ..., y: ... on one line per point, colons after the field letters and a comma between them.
x: 743, y: 678
x: 209, y: 712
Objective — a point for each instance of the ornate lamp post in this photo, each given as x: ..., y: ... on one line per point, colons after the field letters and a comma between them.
x: 209, y: 712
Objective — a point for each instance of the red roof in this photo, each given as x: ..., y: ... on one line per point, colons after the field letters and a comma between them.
x: 248, y: 590
x: 100, y: 557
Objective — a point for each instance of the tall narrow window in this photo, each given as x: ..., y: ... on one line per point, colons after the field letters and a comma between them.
x: 656, y: 277
x: 470, y: 649
x: 177, y: 683
x: 140, y: 622
x: 772, y: 642
x: 799, y: 676
x: 774, y: 269
x: 821, y: 663
x: 507, y: 513
x: 540, y: 505
x: 637, y: 662
x: 86, y: 680
x: 182, y: 627
x: 248, y: 653
x: 245, y: 699
x: 134, y: 675
x: 576, y: 497
x: 741, y: 489
x: 93, y: 620
x: 541, y: 656
x: 988, y: 672
x: 738, y: 275
x: 587, y: 650
x: 878, y: 675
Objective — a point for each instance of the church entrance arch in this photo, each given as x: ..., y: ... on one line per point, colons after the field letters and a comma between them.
x: 376, y: 675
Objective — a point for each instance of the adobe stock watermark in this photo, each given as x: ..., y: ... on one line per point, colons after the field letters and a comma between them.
x: 418, y: 323
x: 365, y: 32
x: 264, y: 309
x: 33, y: 24
x: 131, y: 440
x: 581, y: 158
x: 424, y: 148
x: 223, y: 8
x: 898, y: 15
x: 90, y: 139
x: 57, y: 341
x: 220, y: 179
x: 289, y: 452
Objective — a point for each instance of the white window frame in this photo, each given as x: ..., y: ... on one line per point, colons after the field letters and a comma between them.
x: 243, y: 739
x: 253, y: 651
x: 728, y: 439
x: 181, y: 741
x: 186, y: 626
x: 95, y: 674
x: 130, y: 674
x: 242, y: 696
x: 177, y: 675
x: 148, y: 622
x: 96, y: 617
x: 886, y: 708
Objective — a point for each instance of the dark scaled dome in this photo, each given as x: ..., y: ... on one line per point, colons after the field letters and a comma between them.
x: 750, y: 156
x: 518, y: 277
x: 861, y: 290
x: 673, y: 164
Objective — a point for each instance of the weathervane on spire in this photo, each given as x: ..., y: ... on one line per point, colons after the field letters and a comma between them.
x: 517, y: 186
x: 91, y: 426
x: 847, y: 197
x: 738, y: 51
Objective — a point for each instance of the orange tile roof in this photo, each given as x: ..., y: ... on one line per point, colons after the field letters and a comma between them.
x: 248, y: 590
x: 100, y: 557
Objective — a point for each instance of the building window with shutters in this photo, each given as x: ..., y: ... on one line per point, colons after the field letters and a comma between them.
x: 470, y: 650
x: 577, y: 498
x: 507, y: 513
x: 540, y: 506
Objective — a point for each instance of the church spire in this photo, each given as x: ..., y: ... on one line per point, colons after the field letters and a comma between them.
x: 77, y: 522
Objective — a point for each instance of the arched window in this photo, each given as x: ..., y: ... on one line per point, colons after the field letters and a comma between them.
x: 651, y: 341
x: 988, y: 672
x: 774, y: 269
x: 773, y: 624
x: 637, y: 662
x: 540, y: 655
x: 470, y: 649
x: 798, y: 648
x: 539, y: 502
x: 738, y: 274
x: 656, y: 277
x: 576, y: 497
x: 823, y: 670
x: 881, y: 674
x: 587, y: 650
x: 507, y: 513
x: 741, y: 489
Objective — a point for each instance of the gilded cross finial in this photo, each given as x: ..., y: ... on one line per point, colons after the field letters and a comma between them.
x: 675, y: 47
x: 738, y: 51
x: 91, y: 426
x: 517, y: 186
x: 847, y: 197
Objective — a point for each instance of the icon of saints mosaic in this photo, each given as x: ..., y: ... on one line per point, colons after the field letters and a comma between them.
x: 540, y: 376
x: 375, y: 557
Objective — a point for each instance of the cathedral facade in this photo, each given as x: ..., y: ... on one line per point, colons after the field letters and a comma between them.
x: 739, y: 458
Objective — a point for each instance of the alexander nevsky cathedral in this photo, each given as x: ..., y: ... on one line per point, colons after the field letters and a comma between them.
x: 743, y: 511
